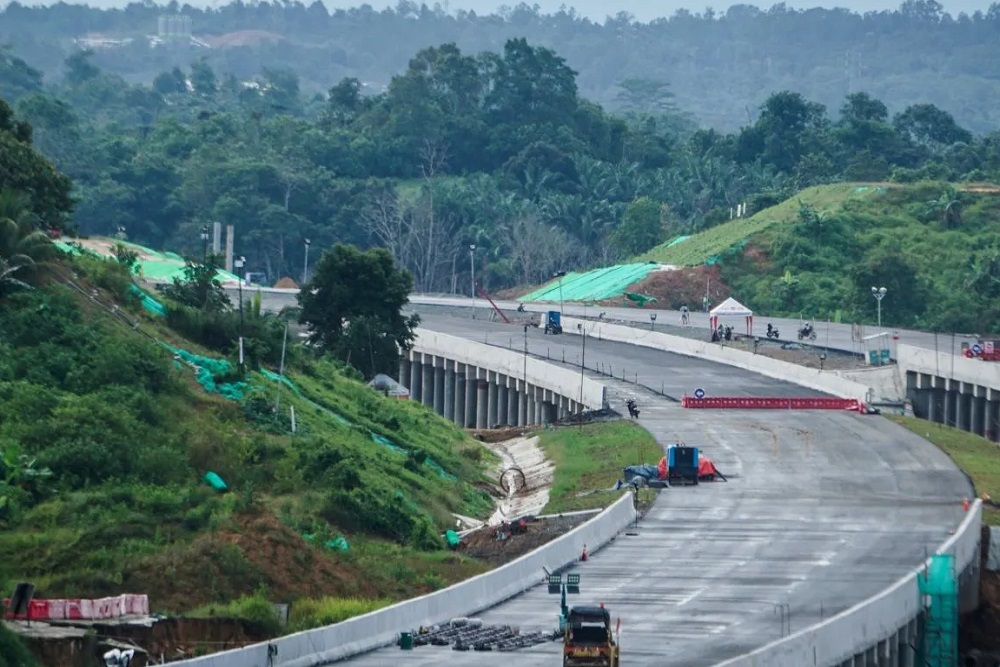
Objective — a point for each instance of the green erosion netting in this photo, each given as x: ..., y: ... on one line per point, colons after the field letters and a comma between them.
x: 152, y: 264
x: 149, y: 303
x: 605, y: 283
x: 679, y: 239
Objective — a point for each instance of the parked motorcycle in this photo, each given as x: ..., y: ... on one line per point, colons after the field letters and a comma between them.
x: 807, y: 332
x: 772, y: 332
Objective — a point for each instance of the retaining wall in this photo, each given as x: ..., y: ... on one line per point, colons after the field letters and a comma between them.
x: 381, y: 628
x: 563, y: 381
x: 864, y: 625
x: 825, y: 381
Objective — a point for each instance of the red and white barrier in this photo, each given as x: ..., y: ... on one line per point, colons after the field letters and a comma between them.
x: 84, y: 610
x: 748, y: 403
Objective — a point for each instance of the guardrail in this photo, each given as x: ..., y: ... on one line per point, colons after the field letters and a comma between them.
x: 380, y: 628
x: 562, y: 381
x: 825, y: 381
x: 746, y: 403
x: 864, y: 625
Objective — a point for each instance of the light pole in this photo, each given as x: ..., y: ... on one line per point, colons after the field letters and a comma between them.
x: 583, y: 364
x: 204, y: 243
x: 559, y: 275
x: 879, y: 294
x: 472, y: 273
x: 305, y: 268
x: 238, y: 264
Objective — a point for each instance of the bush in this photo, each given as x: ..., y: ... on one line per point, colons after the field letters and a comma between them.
x: 12, y: 651
x: 307, y: 614
x: 255, y: 610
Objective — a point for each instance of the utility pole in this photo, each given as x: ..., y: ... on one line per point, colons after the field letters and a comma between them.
x: 238, y: 263
x: 305, y: 268
x: 472, y: 259
x: 281, y: 368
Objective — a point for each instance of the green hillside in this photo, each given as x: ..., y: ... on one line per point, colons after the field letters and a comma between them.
x: 717, y: 241
x: 110, y: 421
x: 935, y: 246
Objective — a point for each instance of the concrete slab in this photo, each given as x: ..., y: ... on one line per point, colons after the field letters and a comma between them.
x: 823, y: 510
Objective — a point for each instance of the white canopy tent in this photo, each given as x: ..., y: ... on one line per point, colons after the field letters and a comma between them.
x: 731, y: 308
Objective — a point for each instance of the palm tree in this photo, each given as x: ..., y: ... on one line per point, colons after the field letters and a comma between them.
x: 23, y: 246
x: 8, y: 267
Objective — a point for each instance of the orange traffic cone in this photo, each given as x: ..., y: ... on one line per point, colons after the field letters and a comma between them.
x: 965, y: 504
x: 583, y: 556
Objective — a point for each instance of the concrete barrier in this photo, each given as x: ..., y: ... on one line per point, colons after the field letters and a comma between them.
x: 864, y: 625
x: 77, y: 609
x: 382, y: 627
x: 563, y: 381
x: 825, y: 381
x: 942, y: 364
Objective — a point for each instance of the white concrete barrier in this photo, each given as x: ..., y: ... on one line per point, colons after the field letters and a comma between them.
x: 942, y: 364
x: 563, y: 381
x: 864, y: 625
x: 828, y: 382
x: 382, y: 627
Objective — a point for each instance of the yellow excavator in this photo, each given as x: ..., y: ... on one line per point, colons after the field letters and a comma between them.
x: 588, y: 640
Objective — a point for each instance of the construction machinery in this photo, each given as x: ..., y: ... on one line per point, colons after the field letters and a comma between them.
x: 586, y: 630
x: 588, y: 640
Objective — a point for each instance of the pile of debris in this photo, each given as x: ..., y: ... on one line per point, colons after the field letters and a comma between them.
x: 464, y: 634
x: 682, y: 464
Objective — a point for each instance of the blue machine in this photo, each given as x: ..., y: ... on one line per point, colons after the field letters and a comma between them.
x: 682, y: 464
x: 553, y: 322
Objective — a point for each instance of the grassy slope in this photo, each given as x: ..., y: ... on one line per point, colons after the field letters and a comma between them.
x: 589, y: 460
x: 717, y: 240
x: 151, y: 526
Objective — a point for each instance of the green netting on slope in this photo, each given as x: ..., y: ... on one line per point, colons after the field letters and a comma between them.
x: 940, y: 585
x: 605, y: 283
x: 679, y: 239
x: 148, y: 302
x: 206, y: 369
x: 156, y: 265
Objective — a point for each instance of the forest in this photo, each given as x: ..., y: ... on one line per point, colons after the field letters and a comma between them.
x: 720, y: 66
x: 498, y: 149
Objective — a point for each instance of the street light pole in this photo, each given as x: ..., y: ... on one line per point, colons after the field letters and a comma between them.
x: 472, y: 259
x: 559, y: 275
x: 583, y: 364
x: 879, y: 294
x: 305, y: 268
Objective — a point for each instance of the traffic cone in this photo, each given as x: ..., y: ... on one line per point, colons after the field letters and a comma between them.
x: 583, y: 556
x: 965, y: 504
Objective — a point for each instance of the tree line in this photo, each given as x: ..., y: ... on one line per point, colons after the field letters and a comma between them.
x: 716, y: 63
x: 497, y: 150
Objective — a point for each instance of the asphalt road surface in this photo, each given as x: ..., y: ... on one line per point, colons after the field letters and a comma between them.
x: 822, y: 510
x: 829, y: 335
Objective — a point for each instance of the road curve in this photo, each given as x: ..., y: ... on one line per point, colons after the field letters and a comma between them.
x: 829, y: 335
x: 823, y: 509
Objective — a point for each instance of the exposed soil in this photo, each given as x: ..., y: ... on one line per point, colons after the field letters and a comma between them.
x: 680, y: 287
x: 286, y: 283
x: 235, y: 560
x: 241, y: 38
x: 484, y: 545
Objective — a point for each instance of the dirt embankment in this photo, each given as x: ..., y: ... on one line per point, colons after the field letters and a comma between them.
x: 680, y: 287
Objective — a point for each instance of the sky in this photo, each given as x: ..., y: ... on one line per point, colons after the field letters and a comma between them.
x: 597, y: 10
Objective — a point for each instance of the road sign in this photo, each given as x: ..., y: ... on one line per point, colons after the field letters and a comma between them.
x: 988, y: 347
x: 977, y: 349
x: 699, y: 393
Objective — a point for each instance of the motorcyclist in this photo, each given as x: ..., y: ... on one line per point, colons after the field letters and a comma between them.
x: 770, y: 328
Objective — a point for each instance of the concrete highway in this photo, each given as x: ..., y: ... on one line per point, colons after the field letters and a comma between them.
x: 822, y: 510
x: 828, y: 335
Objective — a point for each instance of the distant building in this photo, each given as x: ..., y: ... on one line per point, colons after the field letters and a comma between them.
x: 170, y: 27
x: 389, y: 387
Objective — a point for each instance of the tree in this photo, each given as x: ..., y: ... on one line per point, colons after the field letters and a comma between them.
x: 353, y: 308
x: 641, y: 228
x: 200, y: 288
x: 23, y: 170
x: 23, y: 248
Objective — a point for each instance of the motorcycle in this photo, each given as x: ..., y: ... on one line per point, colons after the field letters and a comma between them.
x: 807, y: 332
x: 772, y: 332
x: 633, y: 409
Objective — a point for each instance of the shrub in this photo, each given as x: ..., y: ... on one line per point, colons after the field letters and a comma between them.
x: 306, y: 614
